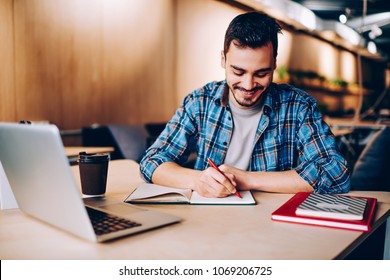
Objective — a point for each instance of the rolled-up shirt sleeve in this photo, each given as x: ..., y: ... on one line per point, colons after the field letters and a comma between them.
x: 173, y: 144
x: 320, y: 162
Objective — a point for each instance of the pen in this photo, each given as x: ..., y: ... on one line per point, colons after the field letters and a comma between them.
x: 213, y: 165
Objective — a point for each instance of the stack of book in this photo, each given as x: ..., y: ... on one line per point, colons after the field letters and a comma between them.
x: 339, y: 211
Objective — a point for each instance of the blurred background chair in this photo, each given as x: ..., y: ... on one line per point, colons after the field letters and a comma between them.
x: 371, y: 171
x: 129, y: 141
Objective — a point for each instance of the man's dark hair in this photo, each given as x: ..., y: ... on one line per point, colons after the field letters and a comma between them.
x: 253, y: 29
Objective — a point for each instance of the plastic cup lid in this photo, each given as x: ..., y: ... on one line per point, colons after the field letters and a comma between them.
x: 98, y: 157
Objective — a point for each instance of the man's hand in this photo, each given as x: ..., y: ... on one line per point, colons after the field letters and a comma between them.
x: 212, y: 183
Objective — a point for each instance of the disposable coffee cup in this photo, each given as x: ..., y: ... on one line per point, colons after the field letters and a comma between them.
x: 93, y: 173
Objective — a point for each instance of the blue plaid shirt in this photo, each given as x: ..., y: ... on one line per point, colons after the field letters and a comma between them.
x: 290, y: 136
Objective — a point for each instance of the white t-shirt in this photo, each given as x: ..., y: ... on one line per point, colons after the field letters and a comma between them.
x: 245, y: 123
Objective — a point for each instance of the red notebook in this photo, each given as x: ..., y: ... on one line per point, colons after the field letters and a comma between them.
x: 286, y: 213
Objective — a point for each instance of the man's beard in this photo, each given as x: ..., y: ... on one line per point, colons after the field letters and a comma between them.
x: 247, y: 102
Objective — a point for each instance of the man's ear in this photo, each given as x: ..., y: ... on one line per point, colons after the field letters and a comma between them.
x: 223, y: 60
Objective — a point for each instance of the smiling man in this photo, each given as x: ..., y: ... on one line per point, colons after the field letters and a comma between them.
x: 263, y: 136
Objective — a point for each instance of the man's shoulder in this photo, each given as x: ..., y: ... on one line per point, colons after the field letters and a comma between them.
x: 211, y: 90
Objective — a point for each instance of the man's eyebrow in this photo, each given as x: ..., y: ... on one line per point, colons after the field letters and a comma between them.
x: 237, y: 68
x: 257, y: 71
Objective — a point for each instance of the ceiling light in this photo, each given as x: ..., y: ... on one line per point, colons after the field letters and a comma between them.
x: 343, y: 18
x: 375, y: 32
x: 371, y: 47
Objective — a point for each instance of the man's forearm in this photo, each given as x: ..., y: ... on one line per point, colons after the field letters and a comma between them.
x: 281, y: 182
x: 171, y: 174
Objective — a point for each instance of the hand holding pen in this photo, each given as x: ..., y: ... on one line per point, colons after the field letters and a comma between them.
x: 212, y: 164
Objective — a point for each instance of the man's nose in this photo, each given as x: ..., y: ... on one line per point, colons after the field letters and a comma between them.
x: 248, y: 83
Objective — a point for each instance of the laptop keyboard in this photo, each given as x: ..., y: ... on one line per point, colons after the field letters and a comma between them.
x: 104, y: 223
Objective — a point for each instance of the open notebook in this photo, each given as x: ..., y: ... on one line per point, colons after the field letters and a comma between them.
x: 156, y: 194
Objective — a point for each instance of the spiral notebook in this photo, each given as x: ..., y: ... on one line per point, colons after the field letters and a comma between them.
x: 332, y: 206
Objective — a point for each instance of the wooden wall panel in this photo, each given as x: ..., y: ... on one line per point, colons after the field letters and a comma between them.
x: 80, y: 62
x: 138, y: 59
x: 201, y: 27
x: 7, y: 90
x: 84, y: 62
x: 56, y: 54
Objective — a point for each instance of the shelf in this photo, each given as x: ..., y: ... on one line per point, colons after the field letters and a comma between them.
x: 327, y: 88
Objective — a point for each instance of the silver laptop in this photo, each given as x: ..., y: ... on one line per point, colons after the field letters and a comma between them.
x: 38, y: 171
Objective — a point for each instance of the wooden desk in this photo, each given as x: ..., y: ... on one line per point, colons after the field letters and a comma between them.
x: 206, y: 232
